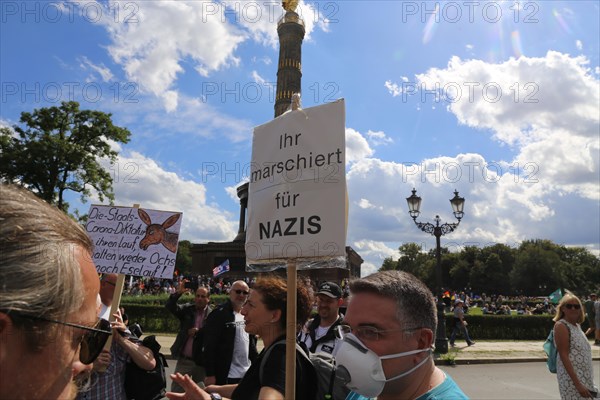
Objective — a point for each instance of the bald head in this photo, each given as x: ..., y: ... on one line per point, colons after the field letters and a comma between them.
x: 238, y: 294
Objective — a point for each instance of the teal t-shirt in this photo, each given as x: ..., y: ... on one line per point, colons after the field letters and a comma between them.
x: 447, y: 390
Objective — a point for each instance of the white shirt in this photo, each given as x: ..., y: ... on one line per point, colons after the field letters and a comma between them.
x: 240, y: 362
x: 105, y: 312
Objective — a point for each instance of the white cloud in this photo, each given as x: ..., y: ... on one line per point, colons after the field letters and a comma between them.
x: 155, y: 38
x: 258, y: 79
x: 364, y: 203
x: 503, y: 204
x: 551, y: 181
x: 547, y: 107
x: 357, y: 146
x: 5, y: 124
x: 373, y: 253
x: 193, y: 117
x: 104, y: 72
x: 393, y: 88
x: 265, y: 60
x: 136, y: 177
x: 579, y: 45
x: 152, y: 44
x: 379, y: 138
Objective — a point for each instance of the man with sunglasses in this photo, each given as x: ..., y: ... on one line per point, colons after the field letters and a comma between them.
x: 49, y: 286
x: 228, y: 348
x: 192, y: 321
x: 386, y: 341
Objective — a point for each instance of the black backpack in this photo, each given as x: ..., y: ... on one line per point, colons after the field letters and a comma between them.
x: 329, y: 385
x: 147, y: 385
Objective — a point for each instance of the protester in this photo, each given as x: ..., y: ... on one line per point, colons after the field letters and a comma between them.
x: 460, y: 325
x: 590, y: 314
x: 192, y: 317
x: 108, y: 283
x: 318, y: 334
x: 265, y: 316
x: 574, y: 369
x: 49, y: 329
x: 228, y: 348
x: 108, y: 374
x: 391, y: 321
x: 597, y: 318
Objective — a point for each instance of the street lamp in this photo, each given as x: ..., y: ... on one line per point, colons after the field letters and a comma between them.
x: 437, y: 230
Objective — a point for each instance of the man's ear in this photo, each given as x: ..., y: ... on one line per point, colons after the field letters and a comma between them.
x: 425, y: 338
x: 340, y: 301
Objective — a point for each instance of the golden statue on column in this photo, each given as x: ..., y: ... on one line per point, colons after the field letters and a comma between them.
x: 289, y: 5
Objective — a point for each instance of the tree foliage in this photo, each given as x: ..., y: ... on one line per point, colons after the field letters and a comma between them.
x: 59, y: 149
x: 183, y: 261
x: 535, y: 268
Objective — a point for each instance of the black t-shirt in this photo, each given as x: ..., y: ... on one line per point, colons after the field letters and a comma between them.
x: 274, y: 376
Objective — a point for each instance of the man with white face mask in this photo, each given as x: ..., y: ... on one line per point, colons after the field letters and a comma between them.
x: 387, y: 339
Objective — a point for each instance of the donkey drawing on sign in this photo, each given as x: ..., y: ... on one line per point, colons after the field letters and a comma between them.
x: 157, y: 233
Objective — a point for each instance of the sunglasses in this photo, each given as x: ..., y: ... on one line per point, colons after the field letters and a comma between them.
x: 238, y: 292
x: 93, y: 340
x: 573, y: 306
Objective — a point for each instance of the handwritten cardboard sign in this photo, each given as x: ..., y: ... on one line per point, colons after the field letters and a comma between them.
x: 134, y: 241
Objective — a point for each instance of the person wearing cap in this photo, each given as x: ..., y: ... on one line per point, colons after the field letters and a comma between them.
x: 318, y: 335
x: 460, y: 324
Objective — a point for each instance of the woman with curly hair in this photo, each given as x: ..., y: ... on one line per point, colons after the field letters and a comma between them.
x: 265, y: 315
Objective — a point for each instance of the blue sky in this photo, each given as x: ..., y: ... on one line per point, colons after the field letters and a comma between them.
x: 499, y: 100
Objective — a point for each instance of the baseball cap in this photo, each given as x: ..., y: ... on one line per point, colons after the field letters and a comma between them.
x: 458, y: 301
x: 330, y: 289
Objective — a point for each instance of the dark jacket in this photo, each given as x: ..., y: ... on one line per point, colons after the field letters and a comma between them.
x: 219, y: 338
x: 185, y: 313
x: 313, y: 324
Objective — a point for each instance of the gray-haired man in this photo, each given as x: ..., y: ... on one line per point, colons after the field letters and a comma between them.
x: 391, y: 321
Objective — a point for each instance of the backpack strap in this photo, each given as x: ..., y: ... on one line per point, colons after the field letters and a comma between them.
x: 261, y: 367
x: 568, y: 331
x: 329, y: 394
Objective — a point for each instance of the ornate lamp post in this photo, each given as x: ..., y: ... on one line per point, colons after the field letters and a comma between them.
x: 437, y: 230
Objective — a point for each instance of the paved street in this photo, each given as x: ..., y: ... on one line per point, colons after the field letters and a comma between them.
x: 530, y: 381
x: 491, y: 370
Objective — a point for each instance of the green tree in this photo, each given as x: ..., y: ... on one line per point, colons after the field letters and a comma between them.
x: 459, y: 274
x: 536, y: 268
x: 389, y: 264
x: 59, y: 149
x: 183, y: 261
x: 412, y: 258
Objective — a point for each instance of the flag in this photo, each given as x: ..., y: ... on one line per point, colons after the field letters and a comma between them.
x: 556, y: 296
x: 221, y: 268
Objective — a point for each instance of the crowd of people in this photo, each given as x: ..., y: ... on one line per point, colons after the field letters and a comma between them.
x: 56, y: 323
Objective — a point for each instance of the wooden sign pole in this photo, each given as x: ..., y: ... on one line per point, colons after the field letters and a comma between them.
x: 290, y: 345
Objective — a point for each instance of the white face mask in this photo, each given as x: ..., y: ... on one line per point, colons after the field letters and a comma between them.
x: 361, y: 368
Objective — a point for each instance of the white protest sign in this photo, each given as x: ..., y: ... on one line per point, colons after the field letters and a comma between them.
x: 297, y: 193
x: 134, y: 241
